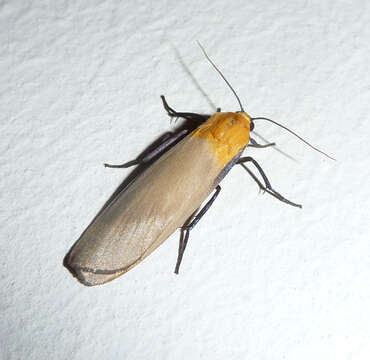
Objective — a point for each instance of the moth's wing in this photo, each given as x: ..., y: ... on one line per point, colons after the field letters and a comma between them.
x: 146, y: 213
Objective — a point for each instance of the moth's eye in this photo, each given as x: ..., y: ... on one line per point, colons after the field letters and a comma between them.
x: 251, y: 126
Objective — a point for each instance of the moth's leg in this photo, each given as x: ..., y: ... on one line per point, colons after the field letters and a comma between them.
x: 255, y: 144
x: 268, y: 188
x: 146, y: 157
x: 182, y: 236
x: 197, y: 118
x: 189, y: 225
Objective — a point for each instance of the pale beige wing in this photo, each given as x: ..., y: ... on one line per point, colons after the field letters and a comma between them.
x: 146, y: 213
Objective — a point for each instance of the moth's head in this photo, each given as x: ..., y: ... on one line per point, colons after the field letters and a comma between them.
x: 243, y: 115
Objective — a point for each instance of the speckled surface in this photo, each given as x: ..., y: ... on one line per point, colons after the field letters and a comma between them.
x: 80, y: 85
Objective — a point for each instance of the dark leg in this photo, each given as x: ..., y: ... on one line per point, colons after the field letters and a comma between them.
x: 267, y: 186
x: 125, y: 165
x: 189, y: 224
x: 255, y: 144
x: 153, y: 153
x: 182, y: 238
x: 197, y: 118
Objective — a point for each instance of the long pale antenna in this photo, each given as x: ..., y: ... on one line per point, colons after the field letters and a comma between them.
x: 221, y: 74
x: 293, y: 133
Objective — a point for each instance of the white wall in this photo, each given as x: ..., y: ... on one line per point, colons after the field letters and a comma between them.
x: 80, y: 85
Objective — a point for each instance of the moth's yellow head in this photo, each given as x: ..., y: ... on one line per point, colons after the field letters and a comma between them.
x: 227, y: 132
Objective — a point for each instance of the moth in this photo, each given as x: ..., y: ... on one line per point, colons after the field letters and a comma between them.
x: 169, y: 194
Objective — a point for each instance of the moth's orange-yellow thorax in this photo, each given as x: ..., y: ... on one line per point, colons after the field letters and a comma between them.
x: 227, y: 133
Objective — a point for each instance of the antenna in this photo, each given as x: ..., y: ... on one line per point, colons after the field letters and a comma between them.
x: 293, y: 133
x: 258, y: 118
x: 221, y: 74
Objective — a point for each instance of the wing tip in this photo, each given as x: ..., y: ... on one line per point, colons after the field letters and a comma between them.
x: 90, y: 277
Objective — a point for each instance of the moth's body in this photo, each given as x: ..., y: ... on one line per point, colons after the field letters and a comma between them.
x: 160, y: 200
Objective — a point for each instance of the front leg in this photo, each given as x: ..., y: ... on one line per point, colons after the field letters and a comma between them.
x: 268, y: 188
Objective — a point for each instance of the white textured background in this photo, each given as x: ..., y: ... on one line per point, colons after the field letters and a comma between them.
x: 80, y: 85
